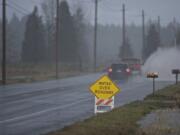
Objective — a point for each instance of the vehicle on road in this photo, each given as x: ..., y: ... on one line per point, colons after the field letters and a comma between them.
x: 119, y: 71
x: 134, y: 65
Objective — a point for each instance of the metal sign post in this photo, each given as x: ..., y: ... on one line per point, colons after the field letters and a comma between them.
x: 103, y: 105
x: 153, y: 75
x: 154, y: 86
x: 176, y: 72
x: 104, y: 90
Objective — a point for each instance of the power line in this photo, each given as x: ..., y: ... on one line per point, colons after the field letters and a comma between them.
x: 18, y: 6
x: 16, y: 9
x: 111, y: 9
x: 19, y: 9
x: 33, y: 1
x: 133, y: 15
x: 91, y: 1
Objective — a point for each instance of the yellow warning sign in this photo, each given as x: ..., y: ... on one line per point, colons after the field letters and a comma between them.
x: 104, y: 88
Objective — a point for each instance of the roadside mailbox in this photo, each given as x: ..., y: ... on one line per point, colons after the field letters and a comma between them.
x: 153, y: 75
x: 104, y: 90
x: 176, y: 72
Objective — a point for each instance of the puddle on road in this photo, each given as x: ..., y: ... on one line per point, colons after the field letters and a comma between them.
x: 161, y: 122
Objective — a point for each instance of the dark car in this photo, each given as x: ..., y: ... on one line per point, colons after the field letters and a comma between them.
x: 119, y: 71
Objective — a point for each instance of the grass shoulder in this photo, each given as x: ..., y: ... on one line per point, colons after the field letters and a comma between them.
x: 123, y: 120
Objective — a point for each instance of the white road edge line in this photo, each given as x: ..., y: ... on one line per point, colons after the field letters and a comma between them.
x: 40, y: 112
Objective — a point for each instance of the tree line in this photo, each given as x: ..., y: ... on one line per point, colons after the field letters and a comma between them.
x: 31, y: 39
x: 39, y: 41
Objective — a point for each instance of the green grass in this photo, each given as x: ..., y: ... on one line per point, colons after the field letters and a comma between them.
x: 123, y: 120
x: 27, y: 73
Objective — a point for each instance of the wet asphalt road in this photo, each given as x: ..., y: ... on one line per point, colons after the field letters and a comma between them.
x: 39, y: 108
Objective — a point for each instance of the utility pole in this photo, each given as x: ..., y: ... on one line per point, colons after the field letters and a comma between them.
x: 95, y: 34
x: 143, y: 35
x: 175, y: 30
x: 57, y: 39
x: 4, y: 42
x: 159, y: 25
x: 124, y: 31
x: 159, y: 28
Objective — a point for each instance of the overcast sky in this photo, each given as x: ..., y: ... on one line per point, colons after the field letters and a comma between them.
x: 110, y: 11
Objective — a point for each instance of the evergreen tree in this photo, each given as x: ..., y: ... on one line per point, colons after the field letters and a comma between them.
x: 49, y: 11
x: 153, y: 41
x: 14, y: 40
x: 68, y: 48
x: 34, y: 45
x: 82, y: 50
